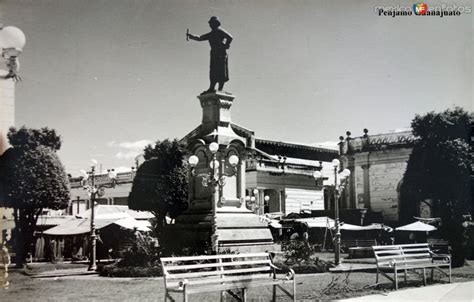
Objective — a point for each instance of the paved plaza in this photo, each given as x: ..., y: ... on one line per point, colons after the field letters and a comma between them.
x: 77, y: 284
x: 435, y: 293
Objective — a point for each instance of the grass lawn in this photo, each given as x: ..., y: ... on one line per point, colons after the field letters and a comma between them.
x: 94, y: 288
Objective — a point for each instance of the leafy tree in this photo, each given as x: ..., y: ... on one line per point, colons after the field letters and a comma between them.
x: 33, y: 179
x: 161, y: 184
x: 32, y: 138
x: 438, y: 173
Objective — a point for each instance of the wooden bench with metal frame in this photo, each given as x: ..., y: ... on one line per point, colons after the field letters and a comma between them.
x: 224, y: 273
x: 411, y: 257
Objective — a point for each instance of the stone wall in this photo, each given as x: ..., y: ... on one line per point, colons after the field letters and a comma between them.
x: 376, y: 179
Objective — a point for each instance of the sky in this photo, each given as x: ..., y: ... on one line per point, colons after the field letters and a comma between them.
x: 112, y: 75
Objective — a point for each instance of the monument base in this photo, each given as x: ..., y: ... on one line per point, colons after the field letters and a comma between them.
x: 232, y: 230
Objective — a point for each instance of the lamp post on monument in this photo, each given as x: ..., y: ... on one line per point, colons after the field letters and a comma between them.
x: 340, y: 180
x: 215, y: 179
x: 12, y: 41
x: 89, y: 183
x: 255, y: 203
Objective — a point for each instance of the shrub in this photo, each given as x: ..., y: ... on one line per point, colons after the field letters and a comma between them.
x: 143, y: 252
x: 295, y: 252
x: 113, y: 270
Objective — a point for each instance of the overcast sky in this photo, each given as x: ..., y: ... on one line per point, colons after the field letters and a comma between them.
x: 112, y: 75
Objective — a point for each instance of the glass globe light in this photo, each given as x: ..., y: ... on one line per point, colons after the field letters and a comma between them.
x: 193, y: 160
x: 233, y: 160
x: 266, y: 198
x: 112, y: 174
x: 12, y: 37
x: 93, y: 163
x: 346, y: 172
x: 214, y: 164
x: 84, y: 174
x: 213, y: 147
x: 252, y: 198
x: 335, y: 162
x: 255, y: 191
x: 247, y: 198
x: 317, y: 175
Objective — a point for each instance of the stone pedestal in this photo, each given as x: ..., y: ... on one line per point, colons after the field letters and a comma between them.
x: 217, y: 214
x: 7, y: 110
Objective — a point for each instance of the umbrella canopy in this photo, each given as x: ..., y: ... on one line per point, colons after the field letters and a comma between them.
x: 75, y: 226
x: 275, y: 224
x: 373, y: 226
x: 416, y: 227
x: 317, y: 222
x: 115, y: 211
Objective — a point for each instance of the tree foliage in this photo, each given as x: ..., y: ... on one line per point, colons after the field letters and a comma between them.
x: 438, y: 171
x: 31, y: 138
x: 161, y: 183
x: 33, y: 179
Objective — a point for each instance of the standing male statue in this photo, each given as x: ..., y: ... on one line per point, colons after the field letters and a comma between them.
x: 220, y: 41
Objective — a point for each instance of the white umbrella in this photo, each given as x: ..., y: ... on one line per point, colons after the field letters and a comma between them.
x: 416, y: 227
x: 317, y: 222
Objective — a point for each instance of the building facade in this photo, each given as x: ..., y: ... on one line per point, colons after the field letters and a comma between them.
x: 377, y: 164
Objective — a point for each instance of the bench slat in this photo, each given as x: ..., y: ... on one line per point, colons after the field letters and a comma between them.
x: 211, y: 265
x: 410, y: 245
x: 426, y: 255
x: 236, y: 285
x: 390, y: 252
x: 385, y: 253
x: 413, y: 266
x: 408, y: 251
x: 210, y: 280
x: 386, y: 247
x: 210, y: 257
x: 219, y: 272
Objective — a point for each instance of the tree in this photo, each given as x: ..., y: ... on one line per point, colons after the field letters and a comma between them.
x: 33, y: 179
x: 438, y: 173
x: 161, y: 184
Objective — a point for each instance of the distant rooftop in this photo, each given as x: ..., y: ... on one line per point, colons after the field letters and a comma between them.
x: 380, y: 141
x: 295, y: 150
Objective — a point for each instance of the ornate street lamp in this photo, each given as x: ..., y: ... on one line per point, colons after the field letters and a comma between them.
x: 253, y: 202
x: 214, y: 179
x: 340, y: 180
x: 12, y: 41
x: 89, y: 184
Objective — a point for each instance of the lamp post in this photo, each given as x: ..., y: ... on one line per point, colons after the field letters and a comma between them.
x: 340, y: 180
x: 89, y: 184
x: 12, y: 41
x: 215, y: 178
x: 254, y: 201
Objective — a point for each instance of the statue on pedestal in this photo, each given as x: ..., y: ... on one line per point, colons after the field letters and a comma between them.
x: 220, y: 41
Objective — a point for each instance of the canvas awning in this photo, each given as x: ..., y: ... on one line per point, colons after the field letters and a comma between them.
x: 416, y: 227
x: 317, y: 222
x: 115, y: 211
x: 326, y: 222
x: 373, y: 226
x: 76, y: 226
x: 275, y: 224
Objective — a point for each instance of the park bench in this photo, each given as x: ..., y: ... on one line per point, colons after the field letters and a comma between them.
x: 439, y: 246
x: 411, y: 257
x: 358, y: 248
x: 224, y: 273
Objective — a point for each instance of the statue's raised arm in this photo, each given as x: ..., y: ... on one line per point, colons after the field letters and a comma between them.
x: 219, y: 40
